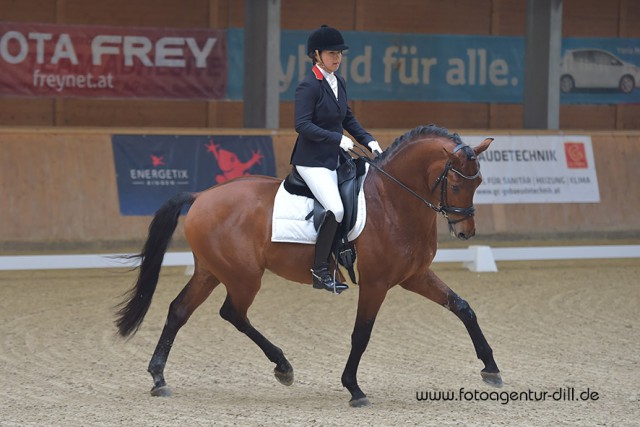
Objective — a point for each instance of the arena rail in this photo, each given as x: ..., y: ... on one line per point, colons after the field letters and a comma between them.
x: 475, y: 258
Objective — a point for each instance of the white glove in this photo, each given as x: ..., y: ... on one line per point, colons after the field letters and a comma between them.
x: 375, y: 147
x: 346, y: 143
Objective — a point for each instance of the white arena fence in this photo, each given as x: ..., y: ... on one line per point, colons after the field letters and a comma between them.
x: 475, y: 258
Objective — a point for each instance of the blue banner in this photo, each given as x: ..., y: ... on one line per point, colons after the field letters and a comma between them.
x: 453, y: 68
x: 152, y: 168
x: 600, y: 71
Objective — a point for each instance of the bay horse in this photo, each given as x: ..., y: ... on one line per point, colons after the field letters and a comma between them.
x: 425, y: 172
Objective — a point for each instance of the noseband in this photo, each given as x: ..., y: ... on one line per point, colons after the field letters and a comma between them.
x: 443, y: 207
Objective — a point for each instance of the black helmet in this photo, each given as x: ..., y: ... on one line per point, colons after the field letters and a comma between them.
x: 325, y: 38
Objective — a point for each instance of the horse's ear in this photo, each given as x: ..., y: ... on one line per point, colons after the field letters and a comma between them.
x: 483, y: 146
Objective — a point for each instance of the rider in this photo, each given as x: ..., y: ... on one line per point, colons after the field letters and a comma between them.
x: 321, y: 115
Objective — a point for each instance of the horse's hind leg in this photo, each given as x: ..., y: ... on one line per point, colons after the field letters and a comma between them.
x: 194, y: 293
x: 433, y: 288
x: 234, y: 310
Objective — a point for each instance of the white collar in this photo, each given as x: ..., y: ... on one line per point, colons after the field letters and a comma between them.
x: 327, y: 75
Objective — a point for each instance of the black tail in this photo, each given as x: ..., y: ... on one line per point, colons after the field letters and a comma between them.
x: 132, y: 311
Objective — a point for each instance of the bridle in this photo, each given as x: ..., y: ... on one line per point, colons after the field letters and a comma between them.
x: 443, y: 208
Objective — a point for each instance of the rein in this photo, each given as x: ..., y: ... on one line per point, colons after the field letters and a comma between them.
x: 442, y: 208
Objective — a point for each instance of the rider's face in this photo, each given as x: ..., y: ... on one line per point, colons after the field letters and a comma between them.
x: 331, y: 60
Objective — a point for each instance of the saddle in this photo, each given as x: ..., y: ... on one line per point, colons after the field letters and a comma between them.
x: 351, y: 173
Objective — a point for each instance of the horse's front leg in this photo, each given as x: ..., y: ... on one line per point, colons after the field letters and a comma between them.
x: 432, y: 287
x: 369, y: 302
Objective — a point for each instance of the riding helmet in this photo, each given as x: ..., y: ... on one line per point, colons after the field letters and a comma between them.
x: 325, y: 38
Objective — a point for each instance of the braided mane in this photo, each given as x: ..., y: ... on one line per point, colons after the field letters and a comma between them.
x: 417, y: 133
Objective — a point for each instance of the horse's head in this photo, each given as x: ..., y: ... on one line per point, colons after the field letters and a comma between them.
x: 457, y: 184
x: 452, y: 173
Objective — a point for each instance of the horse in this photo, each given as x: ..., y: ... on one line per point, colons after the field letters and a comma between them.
x: 425, y: 173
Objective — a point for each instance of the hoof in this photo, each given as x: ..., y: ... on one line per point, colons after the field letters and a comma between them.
x: 163, y: 391
x: 492, y: 378
x: 285, y: 378
x: 359, y: 403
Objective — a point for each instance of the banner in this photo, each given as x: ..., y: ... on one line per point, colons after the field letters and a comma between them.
x: 406, y: 67
x: 600, y: 71
x: 152, y: 168
x: 537, y: 169
x: 111, y: 62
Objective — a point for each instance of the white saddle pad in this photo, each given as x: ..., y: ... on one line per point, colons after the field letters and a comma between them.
x: 289, y: 212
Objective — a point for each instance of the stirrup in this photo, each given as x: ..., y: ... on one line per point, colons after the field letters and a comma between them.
x: 322, y: 280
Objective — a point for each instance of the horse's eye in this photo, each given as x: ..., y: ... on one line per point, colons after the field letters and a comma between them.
x: 455, y: 189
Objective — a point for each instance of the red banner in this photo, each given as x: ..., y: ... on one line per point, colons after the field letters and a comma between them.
x: 52, y: 60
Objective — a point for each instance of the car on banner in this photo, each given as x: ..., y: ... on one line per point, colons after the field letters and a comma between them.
x: 597, y: 69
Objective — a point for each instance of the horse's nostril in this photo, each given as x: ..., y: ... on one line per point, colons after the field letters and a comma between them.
x: 465, y: 236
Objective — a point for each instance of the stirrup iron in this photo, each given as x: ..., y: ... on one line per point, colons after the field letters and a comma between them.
x: 322, y: 279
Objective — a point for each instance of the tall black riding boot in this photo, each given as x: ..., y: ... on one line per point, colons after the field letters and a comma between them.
x: 321, y: 277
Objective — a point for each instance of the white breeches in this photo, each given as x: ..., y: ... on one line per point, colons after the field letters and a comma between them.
x: 323, y: 183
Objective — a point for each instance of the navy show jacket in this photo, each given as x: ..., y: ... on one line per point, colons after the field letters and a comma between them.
x: 320, y: 120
